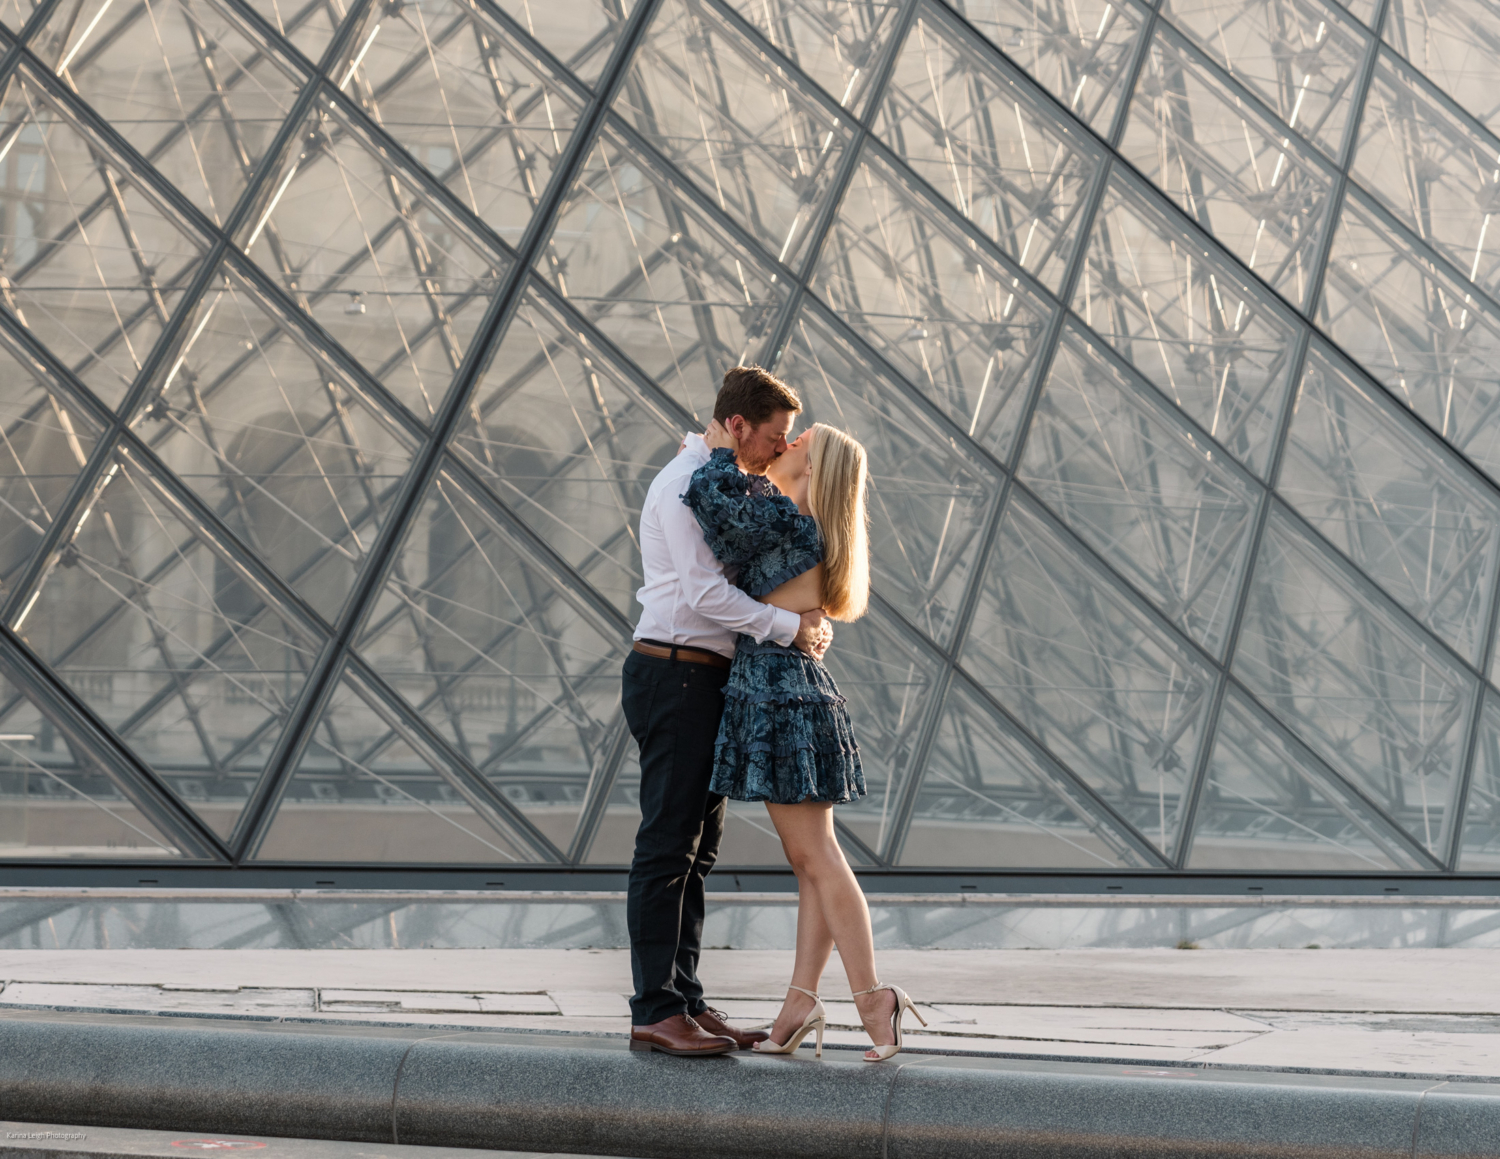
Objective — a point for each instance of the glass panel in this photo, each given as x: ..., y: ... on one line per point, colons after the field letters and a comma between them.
x: 1299, y: 56
x: 955, y: 322
x: 1395, y: 503
x: 308, y: 24
x: 658, y: 277
x: 1436, y: 172
x: 1267, y: 807
x: 570, y: 442
x: 1089, y: 674
x: 1233, y: 170
x: 276, y: 442
x: 44, y: 443
x: 372, y: 260
x: 580, y: 33
x: 204, y: 109
x: 1142, y: 491
x: 614, y: 840
x: 1416, y: 328
x: 836, y: 42
x: 170, y: 641
x: 1480, y: 850
x: 1377, y: 700
x: 1208, y: 338
x: 929, y: 502
x: 15, y: 13
x: 1456, y: 44
x: 57, y: 801
x: 1080, y: 51
x: 476, y: 108
x: 766, y: 151
x: 392, y: 801
x: 986, y: 800
x: 889, y: 684
x: 985, y: 142
x: 509, y: 665
x: 92, y: 265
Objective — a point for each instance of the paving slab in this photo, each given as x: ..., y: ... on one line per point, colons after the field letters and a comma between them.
x: 60, y: 1141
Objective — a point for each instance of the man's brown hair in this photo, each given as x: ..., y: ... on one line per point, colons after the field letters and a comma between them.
x: 755, y: 394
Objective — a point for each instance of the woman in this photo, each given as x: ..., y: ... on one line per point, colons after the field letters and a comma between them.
x: 799, y: 541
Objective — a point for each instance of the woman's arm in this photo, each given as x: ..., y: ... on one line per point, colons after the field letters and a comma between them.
x: 735, y: 518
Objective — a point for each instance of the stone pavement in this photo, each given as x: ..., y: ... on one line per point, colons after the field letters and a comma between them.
x: 1413, y: 1013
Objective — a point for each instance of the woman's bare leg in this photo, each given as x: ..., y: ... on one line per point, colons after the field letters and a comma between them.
x: 826, y: 881
x: 814, y: 944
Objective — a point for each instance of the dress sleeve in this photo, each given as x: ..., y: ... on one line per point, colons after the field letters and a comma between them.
x: 737, y: 517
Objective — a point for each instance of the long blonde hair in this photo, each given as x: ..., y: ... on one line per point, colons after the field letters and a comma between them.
x: 836, y: 497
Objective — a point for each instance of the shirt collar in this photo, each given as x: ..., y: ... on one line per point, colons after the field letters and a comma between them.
x: 695, y: 447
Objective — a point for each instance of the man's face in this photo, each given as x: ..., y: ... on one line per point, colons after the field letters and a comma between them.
x: 760, y: 446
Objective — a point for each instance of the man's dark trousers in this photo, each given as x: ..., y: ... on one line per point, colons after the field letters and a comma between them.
x: 673, y: 709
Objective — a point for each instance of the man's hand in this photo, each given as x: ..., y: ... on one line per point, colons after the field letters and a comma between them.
x: 809, y: 636
x: 717, y: 437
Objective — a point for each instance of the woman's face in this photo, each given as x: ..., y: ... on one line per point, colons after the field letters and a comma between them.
x: 793, y: 462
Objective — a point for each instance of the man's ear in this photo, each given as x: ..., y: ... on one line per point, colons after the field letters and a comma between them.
x: 737, y: 426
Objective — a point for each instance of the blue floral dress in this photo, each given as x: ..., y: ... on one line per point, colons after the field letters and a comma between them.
x: 785, y: 736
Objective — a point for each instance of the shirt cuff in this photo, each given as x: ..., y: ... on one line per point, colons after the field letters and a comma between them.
x: 784, y: 626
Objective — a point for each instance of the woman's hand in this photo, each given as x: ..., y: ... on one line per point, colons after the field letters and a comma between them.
x: 718, y: 437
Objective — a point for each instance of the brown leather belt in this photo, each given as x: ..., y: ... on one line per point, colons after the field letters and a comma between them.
x: 677, y: 652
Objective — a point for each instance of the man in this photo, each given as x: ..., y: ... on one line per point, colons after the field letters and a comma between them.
x: 673, y: 697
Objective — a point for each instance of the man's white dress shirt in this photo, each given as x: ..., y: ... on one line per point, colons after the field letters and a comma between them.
x: 686, y: 598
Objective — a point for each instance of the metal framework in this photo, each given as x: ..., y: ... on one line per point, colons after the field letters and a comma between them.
x: 342, y: 340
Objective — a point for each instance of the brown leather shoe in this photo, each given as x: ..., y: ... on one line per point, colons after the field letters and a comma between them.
x: 679, y: 1035
x: 714, y: 1022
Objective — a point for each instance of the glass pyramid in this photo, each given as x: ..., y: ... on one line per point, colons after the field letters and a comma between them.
x: 341, y: 340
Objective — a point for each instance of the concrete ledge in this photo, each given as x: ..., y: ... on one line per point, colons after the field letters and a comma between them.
x: 592, y: 1096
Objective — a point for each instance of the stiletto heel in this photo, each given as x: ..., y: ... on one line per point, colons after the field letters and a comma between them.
x: 817, y: 1019
x: 903, y: 1004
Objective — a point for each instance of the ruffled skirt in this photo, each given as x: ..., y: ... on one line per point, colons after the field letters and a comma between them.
x: 785, y: 736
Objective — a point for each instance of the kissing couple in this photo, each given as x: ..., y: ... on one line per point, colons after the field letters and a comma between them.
x: 750, y: 544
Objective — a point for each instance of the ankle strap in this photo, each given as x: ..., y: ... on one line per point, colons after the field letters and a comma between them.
x: 799, y: 990
x: 872, y: 989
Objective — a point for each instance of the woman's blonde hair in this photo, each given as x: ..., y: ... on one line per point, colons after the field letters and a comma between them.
x: 836, y: 497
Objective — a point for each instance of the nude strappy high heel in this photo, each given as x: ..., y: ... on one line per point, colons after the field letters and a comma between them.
x: 817, y: 1019
x: 903, y: 1003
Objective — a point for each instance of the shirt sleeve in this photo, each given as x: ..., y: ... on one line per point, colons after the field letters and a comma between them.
x: 709, y: 593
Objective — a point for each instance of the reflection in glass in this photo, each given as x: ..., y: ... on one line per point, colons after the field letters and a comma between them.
x: 956, y: 322
x: 569, y: 441
x: 1416, y: 326
x: 1432, y: 169
x: 57, y: 800
x: 1455, y: 43
x: 1081, y: 52
x: 1267, y: 806
x: 1298, y: 56
x: 928, y: 502
x: 1398, y: 505
x: 1231, y: 168
x: 94, y: 266
x: 1480, y: 849
x: 373, y: 258
x: 392, y: 801
x: 835, y: 42
x: 658, y: 276
x: 1140, y: 489
x: 178, y: 647
x: 519, y: 675
x: 1210, y: 338
x: 987, y: 800
x: 753, y: 138
x: 303, y: 473
x: 1373, y: 697
x: 987, y: 144
x: 1089, y: 674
